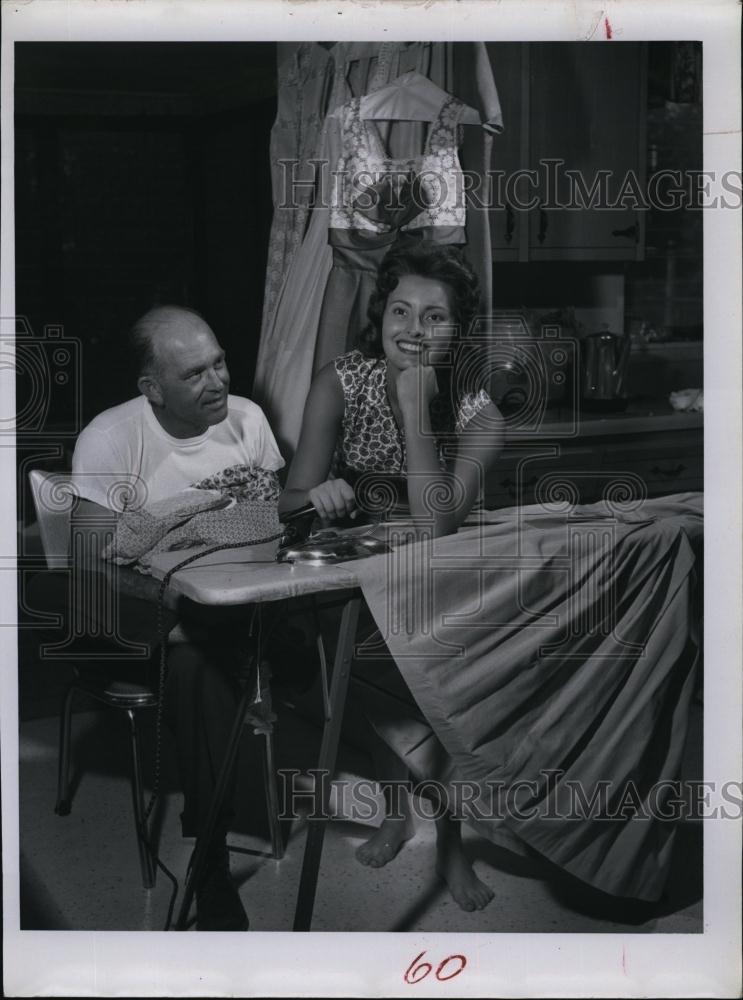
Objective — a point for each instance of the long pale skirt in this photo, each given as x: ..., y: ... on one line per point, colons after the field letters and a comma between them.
x: 553, y: 656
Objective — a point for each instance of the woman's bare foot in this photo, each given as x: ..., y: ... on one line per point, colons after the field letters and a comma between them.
x: 453, y: 866
x: 385, y: 842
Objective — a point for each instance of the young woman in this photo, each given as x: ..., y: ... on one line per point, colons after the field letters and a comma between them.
x: 400, y: 405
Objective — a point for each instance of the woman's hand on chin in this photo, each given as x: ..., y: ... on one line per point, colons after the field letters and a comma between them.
x: 416, y: 387
x: 333, y: 499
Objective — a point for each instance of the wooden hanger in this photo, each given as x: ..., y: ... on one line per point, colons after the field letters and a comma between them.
x: 411, y: 97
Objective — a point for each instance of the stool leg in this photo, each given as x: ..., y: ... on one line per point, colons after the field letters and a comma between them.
x: 63, y: 805
x: 145, y: 855
x: 272, y: 798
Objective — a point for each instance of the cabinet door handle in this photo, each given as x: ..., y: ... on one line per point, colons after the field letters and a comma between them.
x: 631, y: 232
x: 543, y: 224
x: 510, y: 224
x: 668, y: 473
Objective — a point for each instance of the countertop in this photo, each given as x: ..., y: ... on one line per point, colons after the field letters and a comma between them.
x: 641, y: 416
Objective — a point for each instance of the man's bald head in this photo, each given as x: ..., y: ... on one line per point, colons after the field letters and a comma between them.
x: 182, y: 370
x: 155, y: 328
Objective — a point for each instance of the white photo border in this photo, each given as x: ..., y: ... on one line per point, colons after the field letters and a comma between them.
x: 278, y: 964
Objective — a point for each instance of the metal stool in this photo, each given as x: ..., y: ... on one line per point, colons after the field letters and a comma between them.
x: 131, y: 698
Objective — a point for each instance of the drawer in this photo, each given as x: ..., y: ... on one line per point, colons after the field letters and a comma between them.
x: 672, y: 469
x: 524, y: 478
x: 654, y: 464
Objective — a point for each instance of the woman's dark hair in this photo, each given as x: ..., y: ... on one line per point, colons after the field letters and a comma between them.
x: 440, y: 262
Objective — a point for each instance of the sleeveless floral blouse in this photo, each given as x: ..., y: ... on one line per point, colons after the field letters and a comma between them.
x: 370, y: 439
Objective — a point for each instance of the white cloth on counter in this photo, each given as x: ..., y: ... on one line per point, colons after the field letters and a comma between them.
x: 689, y: 400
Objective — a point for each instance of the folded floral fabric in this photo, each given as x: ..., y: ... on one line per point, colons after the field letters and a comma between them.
x: 245, y: 522
x: 243, y: 482
x: 141, y: 531
x: 237, y: 505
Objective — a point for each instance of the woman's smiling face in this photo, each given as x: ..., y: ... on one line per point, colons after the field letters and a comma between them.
x: 418, y: 322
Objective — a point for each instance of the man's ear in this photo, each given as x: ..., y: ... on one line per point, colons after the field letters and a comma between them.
x: 149, y: 386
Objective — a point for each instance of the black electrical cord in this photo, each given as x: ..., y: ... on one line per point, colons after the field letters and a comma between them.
x: 142, y: 832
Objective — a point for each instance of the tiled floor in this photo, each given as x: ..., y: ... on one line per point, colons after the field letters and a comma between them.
x: 82, y: 871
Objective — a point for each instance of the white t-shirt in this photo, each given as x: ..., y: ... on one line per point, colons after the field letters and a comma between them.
x: 125, y: 459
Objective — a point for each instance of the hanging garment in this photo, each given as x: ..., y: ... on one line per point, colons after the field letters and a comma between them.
x: 472, y: 81
x: 553, y: 656
x: 376, y: 198
x: 304, y: 81
x: 366, y: 169
x: 410, y: 97
x: 284, y: 372
x: 289, y: 336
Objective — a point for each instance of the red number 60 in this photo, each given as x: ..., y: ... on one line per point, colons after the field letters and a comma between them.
x: 418, y: 970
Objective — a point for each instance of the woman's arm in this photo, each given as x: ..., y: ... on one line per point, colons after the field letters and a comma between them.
x: 478, y: 448
x: 307, y: 481
x: 441, y: 500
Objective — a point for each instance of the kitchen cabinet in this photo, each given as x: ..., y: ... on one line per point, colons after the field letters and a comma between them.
x: 542, y: 472
x: 665, y: 463
x: 642, y: 452
x: 509, y: 61
x: 574, y: 115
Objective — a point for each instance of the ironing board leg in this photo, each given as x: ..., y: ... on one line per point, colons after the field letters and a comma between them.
x: 326, y: 766
x: 204, y: 838
x: 272, y: 798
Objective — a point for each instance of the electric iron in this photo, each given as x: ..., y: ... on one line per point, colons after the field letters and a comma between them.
x: 299, y: 544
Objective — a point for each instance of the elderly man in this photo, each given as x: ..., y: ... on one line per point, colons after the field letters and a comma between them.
x: 183, y: 428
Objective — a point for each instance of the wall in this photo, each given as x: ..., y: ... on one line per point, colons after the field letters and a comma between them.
x: 127, y: 197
